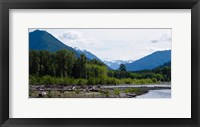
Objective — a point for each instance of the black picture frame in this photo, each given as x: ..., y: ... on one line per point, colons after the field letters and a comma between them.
x: 5, y: 5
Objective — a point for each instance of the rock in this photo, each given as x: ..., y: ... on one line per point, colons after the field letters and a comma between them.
x: 131, y: 95
x: 42, y: 94
x: 73, y: 88
x: 122, y: 95
x: 127, y: 95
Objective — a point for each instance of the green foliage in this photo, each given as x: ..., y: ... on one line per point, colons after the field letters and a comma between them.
x: 49, y: 80
x: 128, y: 81
x: 117, y: 91
x: 53, y: 94
x: 34, y: 60
x: 96, y: 62
x: 132, y: 90
x: 82, y: 82
x: 79, y: 69
x: 112, y: 81
x: 63, y: 67
x: 107, y: 93
x: 101, y: 92
x: 157, y: 75
x: 122, y: 67
x: 96, y: 71
x: 77, y: 91
x: 92, y: 81
x: 46, y: 80
x: 32, y: 80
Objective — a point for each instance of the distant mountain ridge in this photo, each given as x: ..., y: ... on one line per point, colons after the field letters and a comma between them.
x: 114, y: 64
x: 42, y: 40
x: 88, y: 54
x: 151, y: 61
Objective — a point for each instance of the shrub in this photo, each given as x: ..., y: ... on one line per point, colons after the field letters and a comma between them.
x: 77, y: 91
x: 74, y: 81
x: 82, y: 82
x: 101, y: 81
x: 116, y: 91
x: 66, y: 81
x: 91, y: 81
x: 132, y: 90
x: 46, y: 80
x: 107, y: 93
x: 127, y: 81
x: 32, y: 80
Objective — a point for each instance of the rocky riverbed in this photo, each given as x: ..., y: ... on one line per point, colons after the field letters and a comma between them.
x: 97, y: 91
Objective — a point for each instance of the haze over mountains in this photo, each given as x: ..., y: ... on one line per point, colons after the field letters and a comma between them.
x: 114, y: 64
x: 146, y: 63
x: 42, y: 40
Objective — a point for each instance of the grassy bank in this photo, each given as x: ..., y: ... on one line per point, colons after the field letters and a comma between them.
x: 49, y: 80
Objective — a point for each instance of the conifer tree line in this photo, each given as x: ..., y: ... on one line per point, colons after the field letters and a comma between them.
x: 64, y: 64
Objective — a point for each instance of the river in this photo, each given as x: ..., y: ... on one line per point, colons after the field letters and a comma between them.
x: 154, y: 90
x: 163, y: 93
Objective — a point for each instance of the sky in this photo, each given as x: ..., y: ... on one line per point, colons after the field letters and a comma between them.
x: 115, y: 44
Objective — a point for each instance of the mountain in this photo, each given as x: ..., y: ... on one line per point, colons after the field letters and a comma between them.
x: 88, y: 54
x: 115, y: 63
x: 42, y: 40
x: 151, y: 61
x: 91, y: 56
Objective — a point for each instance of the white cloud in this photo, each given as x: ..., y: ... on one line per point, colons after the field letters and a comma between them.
x: 78, y: 39
x: 116, y: 44
x: 153, y: 49
x: 163, y: 38
x: 71, y: 35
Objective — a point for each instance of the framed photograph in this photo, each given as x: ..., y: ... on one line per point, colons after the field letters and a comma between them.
x: 99, y: 63
x: 74, y: 63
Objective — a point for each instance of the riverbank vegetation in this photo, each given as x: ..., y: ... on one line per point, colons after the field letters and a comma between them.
x: 65, y: 68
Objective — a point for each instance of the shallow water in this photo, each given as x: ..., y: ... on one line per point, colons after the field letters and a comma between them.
x: 157, y: 94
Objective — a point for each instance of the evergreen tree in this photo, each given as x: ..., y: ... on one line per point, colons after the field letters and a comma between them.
x: 122, y: 67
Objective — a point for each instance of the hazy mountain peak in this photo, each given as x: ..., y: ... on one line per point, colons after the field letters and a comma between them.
x: 114, y: 64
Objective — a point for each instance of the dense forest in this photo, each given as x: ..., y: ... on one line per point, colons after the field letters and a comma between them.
x: 64, y: 67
